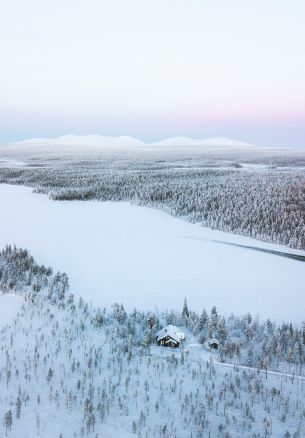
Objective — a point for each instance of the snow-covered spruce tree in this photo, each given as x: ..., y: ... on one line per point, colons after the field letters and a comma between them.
x: 7, y: 421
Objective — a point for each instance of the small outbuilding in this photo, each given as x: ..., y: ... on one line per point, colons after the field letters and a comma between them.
x: 170, y: 336
x: 212, y: 344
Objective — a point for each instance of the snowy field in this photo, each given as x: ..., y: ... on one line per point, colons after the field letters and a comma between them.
x: 117, y: 252
x: 9, y: 307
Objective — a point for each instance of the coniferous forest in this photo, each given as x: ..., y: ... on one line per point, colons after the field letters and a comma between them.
x: 256, y: 193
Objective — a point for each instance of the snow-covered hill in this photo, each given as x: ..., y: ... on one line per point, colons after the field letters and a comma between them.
x: 127, y: 141
x: 93, y: 140
x: 215, y: 141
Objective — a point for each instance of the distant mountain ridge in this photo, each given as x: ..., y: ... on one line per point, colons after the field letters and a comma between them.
x: 85, y: 139
x: 127, y: 141
x: 213, y: 141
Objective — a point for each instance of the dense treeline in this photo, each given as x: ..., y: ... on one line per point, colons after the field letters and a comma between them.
x: 20, y: 272
x: 257, y: 201
x: 266, y: 207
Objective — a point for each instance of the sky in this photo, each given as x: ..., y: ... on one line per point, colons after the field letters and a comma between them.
x: 153, y: 69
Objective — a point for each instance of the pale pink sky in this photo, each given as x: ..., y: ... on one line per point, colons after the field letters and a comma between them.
x: 153, y: 69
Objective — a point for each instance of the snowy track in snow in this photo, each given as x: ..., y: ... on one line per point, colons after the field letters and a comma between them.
x: 289, y: 255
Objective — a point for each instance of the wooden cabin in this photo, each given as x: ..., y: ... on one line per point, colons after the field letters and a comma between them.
x: 170, y: 336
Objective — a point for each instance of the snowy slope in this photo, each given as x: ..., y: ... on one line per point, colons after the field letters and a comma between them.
x: 10, y: 305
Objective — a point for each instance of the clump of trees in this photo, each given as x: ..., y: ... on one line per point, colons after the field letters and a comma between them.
x: 19, y: 271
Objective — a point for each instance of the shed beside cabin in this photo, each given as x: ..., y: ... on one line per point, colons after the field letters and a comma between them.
x: 212, y: 344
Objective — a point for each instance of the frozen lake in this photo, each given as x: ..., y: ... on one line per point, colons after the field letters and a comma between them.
x: 117, y: 252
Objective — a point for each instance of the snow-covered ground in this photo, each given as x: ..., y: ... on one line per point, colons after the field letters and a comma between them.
x: 9, y: 307
x: 117, y: 252
x: 61, y: 376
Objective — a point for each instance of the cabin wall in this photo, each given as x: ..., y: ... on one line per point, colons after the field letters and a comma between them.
x: 166, y: 340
